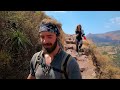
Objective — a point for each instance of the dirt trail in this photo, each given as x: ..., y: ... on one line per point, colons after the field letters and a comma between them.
x: 85, y: 62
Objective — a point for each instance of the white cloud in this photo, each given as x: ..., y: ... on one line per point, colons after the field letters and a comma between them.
x: 115, y: 20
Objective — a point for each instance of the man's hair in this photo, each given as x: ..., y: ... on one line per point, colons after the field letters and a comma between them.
x: 58, y: 25
x: 53, y: 22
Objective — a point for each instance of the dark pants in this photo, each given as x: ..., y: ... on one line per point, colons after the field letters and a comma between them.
x: 78, y: 45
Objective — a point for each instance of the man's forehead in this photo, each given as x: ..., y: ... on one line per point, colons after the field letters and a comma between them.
x: 47, y: 33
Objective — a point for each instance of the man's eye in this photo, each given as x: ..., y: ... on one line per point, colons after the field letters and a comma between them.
x: 49, y: 37
x: 41, y: 36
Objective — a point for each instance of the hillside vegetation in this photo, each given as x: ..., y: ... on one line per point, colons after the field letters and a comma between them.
x: 106, y: 65
x: 18, y: 41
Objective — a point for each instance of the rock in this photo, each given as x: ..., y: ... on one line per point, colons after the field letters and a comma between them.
x: 82, y: 69
x: 70, y: 46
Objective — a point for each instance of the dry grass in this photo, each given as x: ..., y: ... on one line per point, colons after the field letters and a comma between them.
x: 108, y: 69
x: 86, y: 42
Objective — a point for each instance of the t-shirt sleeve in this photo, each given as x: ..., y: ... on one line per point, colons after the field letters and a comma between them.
x: 32, y: 62
x: 74, y: 70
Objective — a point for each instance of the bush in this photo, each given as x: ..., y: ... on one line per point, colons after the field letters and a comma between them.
x: 5, y: 67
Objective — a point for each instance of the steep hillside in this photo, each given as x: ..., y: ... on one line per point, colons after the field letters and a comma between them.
x: 92, y: 63
x: 19, y: 41
x: 112, y: 51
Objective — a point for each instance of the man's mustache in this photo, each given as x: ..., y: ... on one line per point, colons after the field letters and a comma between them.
x: 47, y: 44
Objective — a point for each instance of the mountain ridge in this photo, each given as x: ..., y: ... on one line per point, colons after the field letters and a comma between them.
x: 112, y: 37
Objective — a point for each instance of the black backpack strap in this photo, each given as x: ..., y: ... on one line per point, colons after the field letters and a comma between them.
x: 65, y: 66
x: 58, y: 70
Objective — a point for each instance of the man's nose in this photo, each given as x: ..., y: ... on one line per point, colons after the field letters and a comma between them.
x: 45, y: 41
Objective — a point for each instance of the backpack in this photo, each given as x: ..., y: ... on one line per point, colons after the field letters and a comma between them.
x: 64, y: 64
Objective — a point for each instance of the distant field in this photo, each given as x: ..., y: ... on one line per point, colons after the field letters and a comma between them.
x: 112, y: 51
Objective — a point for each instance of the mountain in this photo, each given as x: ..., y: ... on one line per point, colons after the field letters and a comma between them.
x: 112, y: 38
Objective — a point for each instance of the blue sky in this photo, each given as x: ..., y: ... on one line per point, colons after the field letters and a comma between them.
x: 94, y: 22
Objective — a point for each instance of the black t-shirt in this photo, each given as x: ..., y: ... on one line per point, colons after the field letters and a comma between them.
x: 79, y: 35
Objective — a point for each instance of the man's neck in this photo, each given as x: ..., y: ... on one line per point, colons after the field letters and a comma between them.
x: 50, y: 57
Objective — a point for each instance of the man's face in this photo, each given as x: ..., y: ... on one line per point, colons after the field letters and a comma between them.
x: 48, y: 41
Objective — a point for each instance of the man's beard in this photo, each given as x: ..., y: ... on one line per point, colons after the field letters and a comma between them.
x: 51, y: 49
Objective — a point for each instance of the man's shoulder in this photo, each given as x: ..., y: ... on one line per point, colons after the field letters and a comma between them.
x: 72, y: 62
x: 35, y: 56
x: 65, y: 54
x: 36, y: 53
x: 72, y: 59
